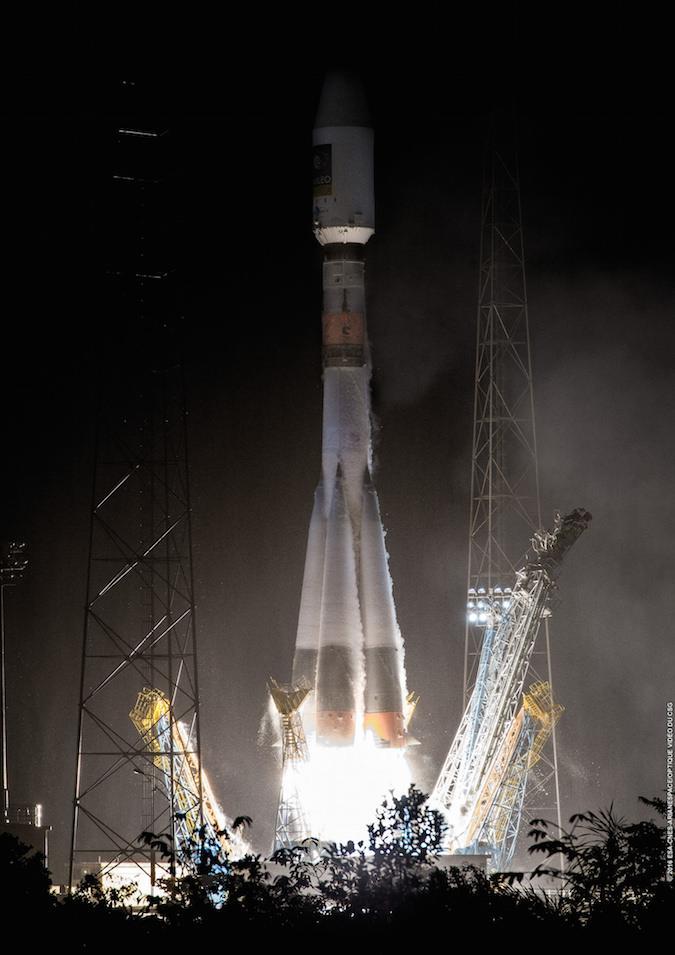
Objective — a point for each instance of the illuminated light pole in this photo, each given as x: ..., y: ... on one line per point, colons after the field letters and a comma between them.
x: 13, y: 564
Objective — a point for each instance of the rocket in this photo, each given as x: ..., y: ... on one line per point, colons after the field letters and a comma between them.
x: 348, y: 647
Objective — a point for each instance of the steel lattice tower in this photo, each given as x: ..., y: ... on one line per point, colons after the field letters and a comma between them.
x: 505, y: 495
x: 139, y: 622
x: 292, y: 824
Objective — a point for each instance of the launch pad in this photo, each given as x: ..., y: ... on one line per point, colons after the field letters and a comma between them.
x: 344, y: 718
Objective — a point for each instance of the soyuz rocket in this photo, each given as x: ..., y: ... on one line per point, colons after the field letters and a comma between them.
x: 349, y: 648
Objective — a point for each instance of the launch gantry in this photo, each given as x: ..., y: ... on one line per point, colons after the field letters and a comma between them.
x: 481, y: 785
x: 505, y: 507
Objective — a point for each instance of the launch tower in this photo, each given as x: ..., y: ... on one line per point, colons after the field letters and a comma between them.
x: 139, y: 626
x: 505, y: 496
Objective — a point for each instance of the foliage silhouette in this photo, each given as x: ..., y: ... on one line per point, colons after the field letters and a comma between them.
x: 389, y: 888
x: 614, y: 871
x: 24, y: 881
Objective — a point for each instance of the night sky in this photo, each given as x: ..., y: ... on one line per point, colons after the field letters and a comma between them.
x: 596, y: 178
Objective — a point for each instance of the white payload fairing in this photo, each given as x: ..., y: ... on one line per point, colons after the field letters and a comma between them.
x: 349, y: 647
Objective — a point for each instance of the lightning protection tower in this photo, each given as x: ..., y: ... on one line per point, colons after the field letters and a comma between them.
x: 139, y: 621
x: 505, y: 495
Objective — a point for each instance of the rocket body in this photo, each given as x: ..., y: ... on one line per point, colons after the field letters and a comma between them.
x: 348, y: 646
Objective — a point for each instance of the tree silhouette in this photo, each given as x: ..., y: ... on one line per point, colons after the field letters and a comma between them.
x: 388, y: 888
x: 407, y: 829
x: 24, y: 881
x: 614, y: 870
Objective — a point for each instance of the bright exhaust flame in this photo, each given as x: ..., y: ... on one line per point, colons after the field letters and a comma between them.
x: 341, y: 787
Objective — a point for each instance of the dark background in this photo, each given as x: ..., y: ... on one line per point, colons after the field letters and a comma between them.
x: 596, y: 176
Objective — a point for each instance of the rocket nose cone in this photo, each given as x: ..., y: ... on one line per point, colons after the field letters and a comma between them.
x: 343, y: 101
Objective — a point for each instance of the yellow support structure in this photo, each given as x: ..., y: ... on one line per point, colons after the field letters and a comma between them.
x: 152, y: 718
x: 538, y: 702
